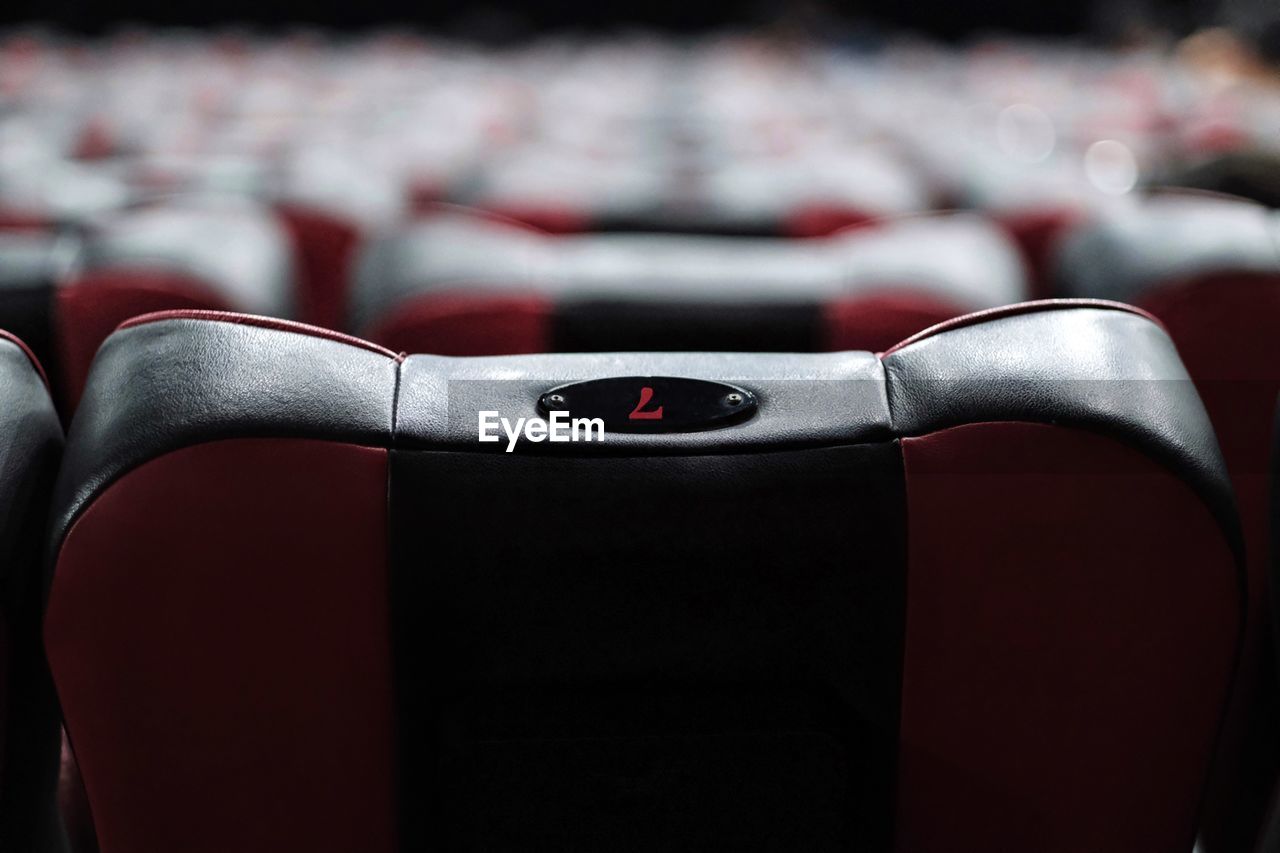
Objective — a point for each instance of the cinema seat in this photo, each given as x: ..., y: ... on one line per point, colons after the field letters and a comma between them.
x: 180, y: 255
x: 1208, y: 267
x: 982, y: 592
x: 324, y: 201
x: 805, y: 193
x: 329, y: 205
x: 30, y: 444
x: 461, y: 284
x: 44, y: 193
x: 31, y: 262
x: 1247, y: 173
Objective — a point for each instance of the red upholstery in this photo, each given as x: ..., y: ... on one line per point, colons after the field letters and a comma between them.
x: 1013, y: 558
x: 877, y: 322
x: 1227, y: 329
x: 821, y: 220
x: 96, y: 142
x: 1037, y: 232
x: 91, y: 307
x: 1072, y: 606
x: 323, y: 247
x: 460, y: 324
x: 545, y: 218
x: 302, y: 672
x: 811, y: 220
x: 21, y: 220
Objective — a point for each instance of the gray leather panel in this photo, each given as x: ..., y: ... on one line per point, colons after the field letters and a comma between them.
x: 28, y: 426
x: 539, y: 176
x: 30, y: 437
x: 30, y: 444
x: 61, y: 189
x: 159, y: 386
x: 171, y: 383
x: 765, y: 188
x: 1128, y: 247
x: 324, y: 176
x: 736, y: 191
x: 236, y: 247
x: 1108, y: 370
x: 959, y: 257
x: 31, y: 258
x: 829, y: 398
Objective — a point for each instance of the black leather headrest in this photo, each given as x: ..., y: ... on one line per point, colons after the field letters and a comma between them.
x: 174, y: 380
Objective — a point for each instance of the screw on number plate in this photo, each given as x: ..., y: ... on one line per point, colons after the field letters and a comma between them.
x: 734, y: 399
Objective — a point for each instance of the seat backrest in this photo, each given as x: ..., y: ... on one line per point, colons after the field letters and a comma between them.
x: 30, y: 446
x: 329, y: 201
x: 804, y: 193
x: 322, y: 200
x: 1209, y: 268
x: 196, y: 255
x: 981, y: 593
x: 49, y: 191
x: 461, y: 284
x: 31, y: 264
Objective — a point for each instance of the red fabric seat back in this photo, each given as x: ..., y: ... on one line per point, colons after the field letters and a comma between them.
x: 1208, y: 268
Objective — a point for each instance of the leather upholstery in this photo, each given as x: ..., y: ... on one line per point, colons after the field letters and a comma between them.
x: 54, y: 191
x: 28, y: 257
x: 66, y: 293
x: 969, y: 265
x: 1073, y: 370
x: 317, y: 389
x: 30, y: 265
x: 1208, y: 266
x: 1124, y: 250
x: 439, y: 397
x: 639, y: 604
x: 712, y: 644
x: 30, y: 444
x: 1035, y: 553
x: 158, y: 385
x: 233, y: 249
x: 758, y: 195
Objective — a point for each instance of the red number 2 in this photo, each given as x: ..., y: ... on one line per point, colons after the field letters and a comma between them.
x: 646, y: 394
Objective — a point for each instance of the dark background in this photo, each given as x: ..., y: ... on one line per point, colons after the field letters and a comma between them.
x: 498, y: 19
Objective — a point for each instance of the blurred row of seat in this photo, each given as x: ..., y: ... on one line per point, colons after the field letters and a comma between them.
x: 729, y: 126
x: 462, y: 282
x: 728, y: 134
x: 1011, y: 615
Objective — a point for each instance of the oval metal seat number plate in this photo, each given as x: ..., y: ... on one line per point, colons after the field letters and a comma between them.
x: 652, y: 403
